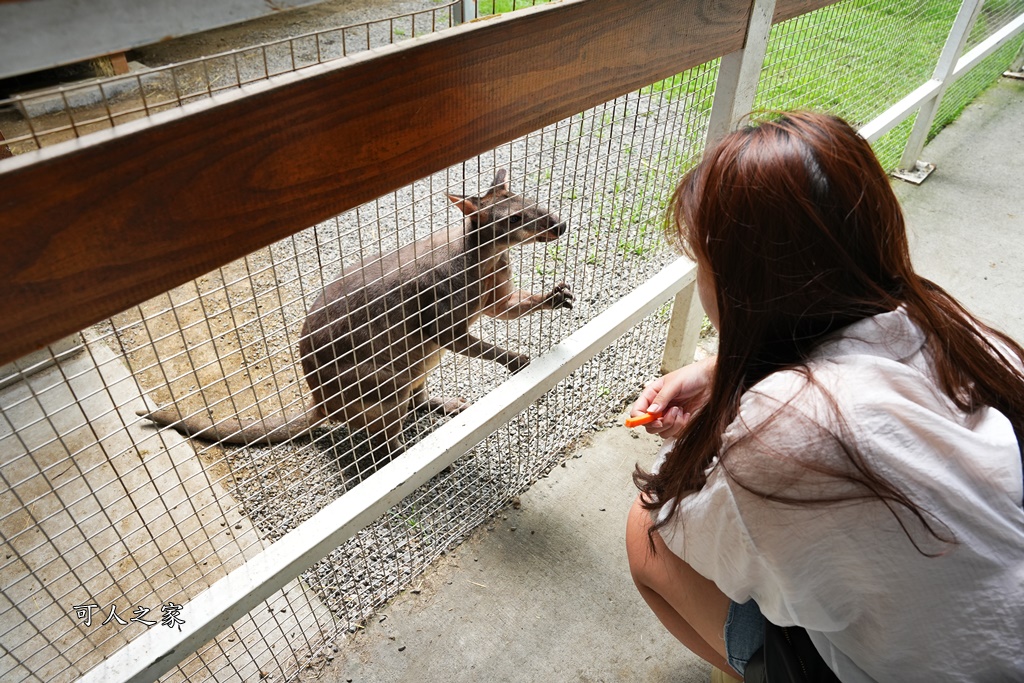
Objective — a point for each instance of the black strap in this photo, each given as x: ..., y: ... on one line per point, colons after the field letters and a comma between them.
x: 788, y: 656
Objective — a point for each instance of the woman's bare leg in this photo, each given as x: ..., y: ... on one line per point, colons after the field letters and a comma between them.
x: 690, y: 606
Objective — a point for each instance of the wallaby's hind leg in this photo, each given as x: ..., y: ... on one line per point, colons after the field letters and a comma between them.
x: 390, y: 442
x: 449, y: 405
x: 386, y: 440
x: 381, y: 421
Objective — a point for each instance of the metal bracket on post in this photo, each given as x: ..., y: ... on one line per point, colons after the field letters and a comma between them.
x: 915, y: 175
x: 735, y: 89
x: 910, y: 167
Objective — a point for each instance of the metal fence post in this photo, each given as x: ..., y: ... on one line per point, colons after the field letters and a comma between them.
x: 738, y: 76
x: 463, y: 11
x: 911, y: 168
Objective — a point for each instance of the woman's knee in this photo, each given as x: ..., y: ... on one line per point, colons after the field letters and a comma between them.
x: 654, y: 566
x: 639, y: 549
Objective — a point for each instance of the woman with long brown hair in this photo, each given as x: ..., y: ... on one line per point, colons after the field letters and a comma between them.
x: 850, y: 462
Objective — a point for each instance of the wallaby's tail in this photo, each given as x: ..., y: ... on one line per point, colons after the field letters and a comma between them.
x: 271, y: 430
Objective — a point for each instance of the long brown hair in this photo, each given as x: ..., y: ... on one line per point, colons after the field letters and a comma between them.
x: 795, y: 221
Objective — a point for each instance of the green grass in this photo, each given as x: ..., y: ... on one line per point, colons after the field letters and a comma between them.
x: 412, y: 520
x: 855, y: 58
x: 486, y: 7
x: 634, y: 206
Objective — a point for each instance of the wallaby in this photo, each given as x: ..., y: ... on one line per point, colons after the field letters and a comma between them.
x: 371, y: 337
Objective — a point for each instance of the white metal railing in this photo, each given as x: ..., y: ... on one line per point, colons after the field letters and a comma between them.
x: 926, y: 99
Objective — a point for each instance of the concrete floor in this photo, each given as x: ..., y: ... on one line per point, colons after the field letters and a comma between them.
x: 967, y: 220
x: 132, y: 516
x: 544, y: 593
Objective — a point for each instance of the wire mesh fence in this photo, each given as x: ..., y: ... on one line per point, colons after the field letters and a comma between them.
x: 45, y: 117
x: 858, y: 57
x: 855, y: 58
x: 154, y: 525
x: 994, y: 15
x: 111, y: 527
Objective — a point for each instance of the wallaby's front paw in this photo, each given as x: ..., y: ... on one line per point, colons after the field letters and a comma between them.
x: 517, y: 363
x: 561, y: 296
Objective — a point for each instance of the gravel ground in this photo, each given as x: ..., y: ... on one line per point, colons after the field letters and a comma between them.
x: 327, y: 18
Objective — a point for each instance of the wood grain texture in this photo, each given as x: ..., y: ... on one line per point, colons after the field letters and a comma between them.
x: 92, y: 227
x: 788, y: 9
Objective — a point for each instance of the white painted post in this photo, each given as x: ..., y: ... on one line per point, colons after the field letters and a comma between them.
x: 683, y: 329
x: 738, y: 76
x: 463, y: 11
x: 911, y: 168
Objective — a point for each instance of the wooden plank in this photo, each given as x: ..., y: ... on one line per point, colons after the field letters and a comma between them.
x: 788, y: 9
x: 91, y: 227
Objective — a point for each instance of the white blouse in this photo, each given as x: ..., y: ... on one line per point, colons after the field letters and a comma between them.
x: 875, y: 607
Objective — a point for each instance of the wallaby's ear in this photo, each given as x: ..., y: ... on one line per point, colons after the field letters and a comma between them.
x: 500, y: 182
x: 467, y: 205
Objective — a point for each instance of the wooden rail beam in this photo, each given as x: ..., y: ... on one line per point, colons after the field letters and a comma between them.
x: 95, y: 225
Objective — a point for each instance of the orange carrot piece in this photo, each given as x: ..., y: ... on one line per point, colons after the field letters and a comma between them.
x: 642, y: 419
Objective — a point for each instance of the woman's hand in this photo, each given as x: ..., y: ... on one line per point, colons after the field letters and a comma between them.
x: 675, y: 395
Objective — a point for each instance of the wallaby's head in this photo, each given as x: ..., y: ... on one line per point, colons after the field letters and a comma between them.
x: 503, y: 218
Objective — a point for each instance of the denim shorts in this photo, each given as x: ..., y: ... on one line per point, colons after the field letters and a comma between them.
x: 744, y: 633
